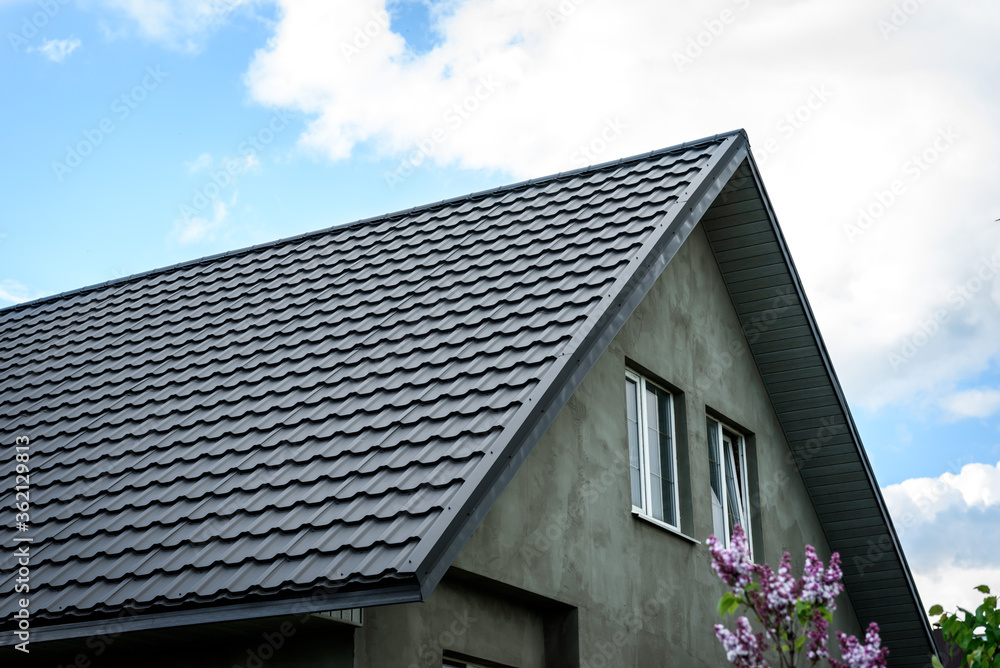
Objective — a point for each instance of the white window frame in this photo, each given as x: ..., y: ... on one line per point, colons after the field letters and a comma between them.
x: 739, y: 453
x: 645, y: 483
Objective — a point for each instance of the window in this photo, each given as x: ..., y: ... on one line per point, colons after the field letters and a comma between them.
x: 727, y: 457
x: 651, y: 452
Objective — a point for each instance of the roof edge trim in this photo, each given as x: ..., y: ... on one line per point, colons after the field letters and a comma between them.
x: 218, y: 614
x: 838, y: 390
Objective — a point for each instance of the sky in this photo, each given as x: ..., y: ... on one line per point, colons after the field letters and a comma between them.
x: 135, y: 134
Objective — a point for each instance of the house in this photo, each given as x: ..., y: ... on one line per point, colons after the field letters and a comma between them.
x: 492, y: 431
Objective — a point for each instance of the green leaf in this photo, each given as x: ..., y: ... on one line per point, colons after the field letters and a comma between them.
x: 936, y: 662
x: 936, y: 610
x: 827, y: 615
x: 728, y: 604
x: 803, y: 611
x: 799, y: 642
x: 984, y: 589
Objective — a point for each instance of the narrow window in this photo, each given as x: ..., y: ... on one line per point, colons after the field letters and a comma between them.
x: 727, y: 468
x: 652, y: 456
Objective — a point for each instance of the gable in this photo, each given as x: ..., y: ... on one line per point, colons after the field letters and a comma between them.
x: 565, y: 528
x: 734, y: 303
x: 316, y: 423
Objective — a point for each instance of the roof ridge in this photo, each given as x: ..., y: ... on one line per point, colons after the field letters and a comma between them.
x: 372, y: 219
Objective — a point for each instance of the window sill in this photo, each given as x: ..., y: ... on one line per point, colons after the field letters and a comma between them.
x: 663, y: 525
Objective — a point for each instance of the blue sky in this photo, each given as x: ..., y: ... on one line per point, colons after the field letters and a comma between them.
x: 877, y: 142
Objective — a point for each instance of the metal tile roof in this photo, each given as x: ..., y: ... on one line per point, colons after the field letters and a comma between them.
x: 321, y: 412
x: 322, y: 422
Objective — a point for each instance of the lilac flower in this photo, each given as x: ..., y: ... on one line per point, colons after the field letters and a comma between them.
x: 744, y: 649
x: 816, y: 646
x: 793, y: 611
x: 780, y: 591
x: 856, y: 655
x: 733, y: 564
x: 819, y: 588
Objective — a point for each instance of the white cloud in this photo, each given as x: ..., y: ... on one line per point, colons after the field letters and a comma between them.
x: 975, y: 403
x: 950, y: 530
x: 201, y: 162
x: 197, y: 229
x: 953, y: 586
x: 244, y: 163
x: 16, y: 292
x: 177, y: 23
x: 56, y: 50
x: 833, y: 128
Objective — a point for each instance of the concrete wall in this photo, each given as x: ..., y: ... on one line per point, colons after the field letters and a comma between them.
x: 466, y: 617
x: 564, y: 530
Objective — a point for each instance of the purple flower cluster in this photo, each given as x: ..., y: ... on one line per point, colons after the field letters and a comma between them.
x: 819, y: 587
x: 744, y: 649
x: 856, y: 655
x: 775, y: 603
x: 817, y: 637
x: 733, y: 565
x: 788, y: 608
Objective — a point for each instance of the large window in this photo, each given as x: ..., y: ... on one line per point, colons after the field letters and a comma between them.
x: 651, y: 451
x: 727, y: 456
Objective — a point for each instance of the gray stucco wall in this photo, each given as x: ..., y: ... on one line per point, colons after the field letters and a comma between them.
x: 563, y: 528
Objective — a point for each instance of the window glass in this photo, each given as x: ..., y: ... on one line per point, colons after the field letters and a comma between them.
x: 715, y: 472
x: 634, y: 447
x: 732, y: 488
x: 727, y: 469
x: 652, y: 457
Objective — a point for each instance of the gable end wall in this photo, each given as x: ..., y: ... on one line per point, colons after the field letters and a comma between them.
x: 563, y: 527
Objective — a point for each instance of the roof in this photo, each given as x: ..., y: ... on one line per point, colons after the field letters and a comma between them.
x: 321, y: 422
